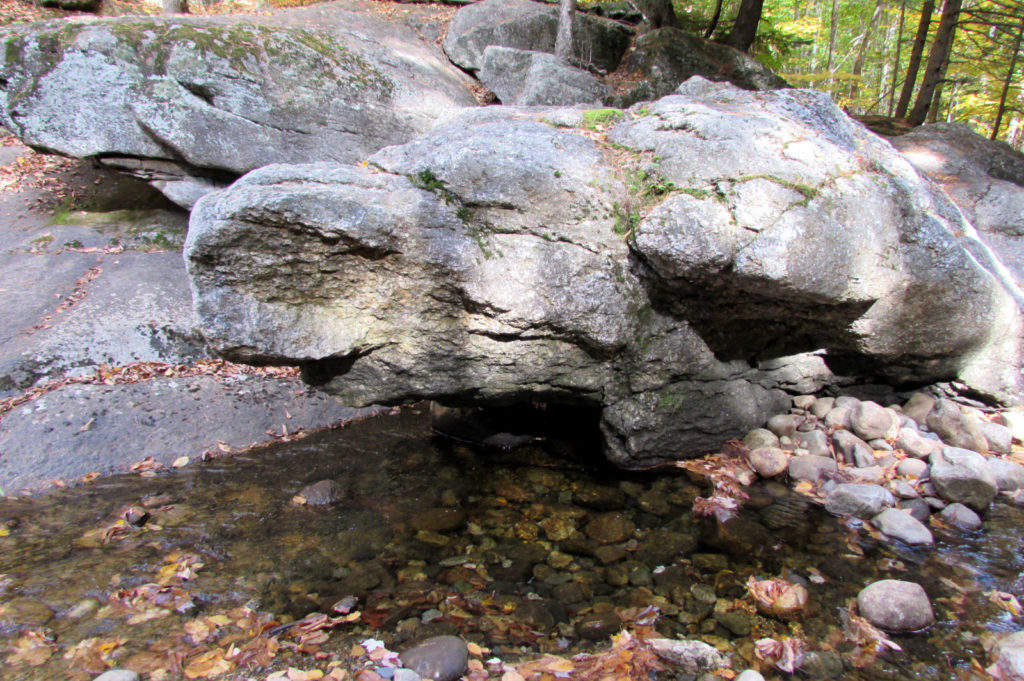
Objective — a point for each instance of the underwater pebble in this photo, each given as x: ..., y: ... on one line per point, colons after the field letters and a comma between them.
x: 117, y: 675
x: 895, y: 605
x: 442, y: 658
x: 1008, y: 658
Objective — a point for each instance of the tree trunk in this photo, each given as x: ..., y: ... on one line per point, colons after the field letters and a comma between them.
x: 563, y: 40
x: 658, y: 13
x: 938, y: 58
x: 862, y: 52
x: 927, y: 9
x: 714, y: 20
x: 1006, y: 81
x: 832, y: 33
x: 174, y: 6
x: 899, y: 53
x: 745, y: 29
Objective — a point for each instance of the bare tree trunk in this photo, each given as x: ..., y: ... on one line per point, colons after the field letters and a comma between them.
x: 899, y: 53
x: 744, y: 31
x: 916, y: 51
x: 862, y: 52
x: 563, y: 40
x: 832, y: 33
x: 714, y: 20
x: 938, y: 59
x: 658, y: 13
x: 174, y: 6
x: 1007, y: 81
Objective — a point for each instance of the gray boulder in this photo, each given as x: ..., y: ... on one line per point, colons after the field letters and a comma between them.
x: 985, y: 178
x: 500, y: 258
x: 960, y: 475
x: 956, y: 428
x: 666, y: 57
x: 903, y: 526
x: 855, y: 451
x: 812, y: 468
x: 858, y: 499
x: 532, y: 26
x: 916, y: 445
x: 214, y: 97
x: 758, y: 219
x: 997, y: 436
x: 531, y: 78
x: 871, y: 421
x: 961, y: 517
x: 895, y: 605
x: 1009, y: 476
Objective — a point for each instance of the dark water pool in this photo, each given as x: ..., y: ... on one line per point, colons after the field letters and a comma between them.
x: 541, y: 549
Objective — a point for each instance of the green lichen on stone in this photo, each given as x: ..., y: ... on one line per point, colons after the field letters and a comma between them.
x: 807, y: 191
x: 159, y: 47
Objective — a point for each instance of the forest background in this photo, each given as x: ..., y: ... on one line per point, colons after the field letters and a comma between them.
x: 863, y: 53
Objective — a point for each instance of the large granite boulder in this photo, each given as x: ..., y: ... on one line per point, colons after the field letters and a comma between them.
x: 192, y: 103
x: 731, y: 246
x: 525, y: 78
x: 662, y: 59
x: 984, y: 178
x: 527, y: 25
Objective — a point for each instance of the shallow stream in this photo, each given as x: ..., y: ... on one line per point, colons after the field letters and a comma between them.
x: 538, y: 549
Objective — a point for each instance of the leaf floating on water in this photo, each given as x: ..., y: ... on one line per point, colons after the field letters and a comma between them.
x: 208, y: 665
x: 93, y: 654
x: 1006, y: 601
x: 179, y: 568
x: 32, y: 648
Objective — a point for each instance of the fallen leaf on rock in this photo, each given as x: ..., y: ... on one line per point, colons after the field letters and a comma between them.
x: 180, y: 462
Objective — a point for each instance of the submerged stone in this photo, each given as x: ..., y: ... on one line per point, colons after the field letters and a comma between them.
x: 442, y: 658
x: 894, y: 605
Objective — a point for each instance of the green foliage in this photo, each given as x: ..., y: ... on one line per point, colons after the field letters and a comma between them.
x: 595, y: 117
x: 793, y: 39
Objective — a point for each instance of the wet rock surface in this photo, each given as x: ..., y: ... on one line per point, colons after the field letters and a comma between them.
x: 895, y: 605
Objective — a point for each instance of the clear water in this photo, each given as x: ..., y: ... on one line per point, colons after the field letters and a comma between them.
x: 433, y: 536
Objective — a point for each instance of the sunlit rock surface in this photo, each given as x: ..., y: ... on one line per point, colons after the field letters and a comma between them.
x: 685, y: 266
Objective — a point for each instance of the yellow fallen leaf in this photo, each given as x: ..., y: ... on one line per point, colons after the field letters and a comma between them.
x: 180, y: 462
x: 474, y: 649
x: 208, y: 665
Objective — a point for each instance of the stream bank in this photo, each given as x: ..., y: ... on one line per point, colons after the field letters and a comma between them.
x: 541, y: 550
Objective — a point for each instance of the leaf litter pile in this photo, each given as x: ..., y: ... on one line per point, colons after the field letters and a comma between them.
x: 549, y: 566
